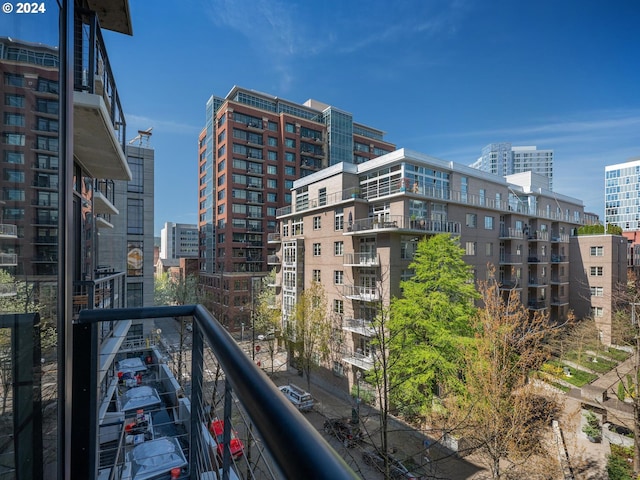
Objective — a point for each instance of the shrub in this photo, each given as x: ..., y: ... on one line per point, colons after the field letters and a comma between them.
x: 618, y: 468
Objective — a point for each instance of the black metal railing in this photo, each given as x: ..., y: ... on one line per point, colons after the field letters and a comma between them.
x: 92, y: 70
x: 292, y: 445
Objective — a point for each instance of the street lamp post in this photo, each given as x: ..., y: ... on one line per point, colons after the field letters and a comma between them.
x: 358, y: 376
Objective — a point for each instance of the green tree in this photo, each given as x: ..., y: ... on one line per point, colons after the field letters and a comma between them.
x: 267, y: 316
x: 311, y: 329
x: 429, y: 325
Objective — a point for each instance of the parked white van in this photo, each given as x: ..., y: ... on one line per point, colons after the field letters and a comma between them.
x: 301, y: 400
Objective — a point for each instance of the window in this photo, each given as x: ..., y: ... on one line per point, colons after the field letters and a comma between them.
x: 273, y: 126
x: 272, y: 197
x: 14, y: 139
x: 14, y: 119
x: 289, y: 170
x: 13, y: 79
x: 489, y: 249
x: 273, y: 156
x: 290, y: 156
x: 14, y: 194
x: 44, y: 105
x: 46, y: 124
x: 272, y: 169
x: 316, y: 276
x: 14, y: 157
x: 317, y: 221
x: 272, y: 141
x: 338, y: 248
x: 472, y: 220
x: 597, y: 312
x: 290, y: 128
x: 597, y: 291
x: 289, y: 142
x: 14, y: 176
x: 272, y: 183
x: 488, y: 223
x: 470, y: 248
x: 48, y: 86
x: 338, y: 306
x: 338, y: 277
x: 339, y: 220
x: 596, y: 271
x: 135, y: 216
x: 14, y: 100
x: 47, y: 143
x: 597, y: 251
x: 317, y: 249
x: 135, y: 185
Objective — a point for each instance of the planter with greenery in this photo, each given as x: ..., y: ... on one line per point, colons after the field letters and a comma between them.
x: 592, y: 428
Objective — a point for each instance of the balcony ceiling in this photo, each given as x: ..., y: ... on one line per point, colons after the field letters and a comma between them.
x: 114, y: 15
x: 96, y: 146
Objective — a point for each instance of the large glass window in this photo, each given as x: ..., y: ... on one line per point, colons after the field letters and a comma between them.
x: 136, y: 185
x: 135, y: 216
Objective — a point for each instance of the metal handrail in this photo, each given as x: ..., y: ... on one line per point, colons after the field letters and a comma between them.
x: 296, y: 447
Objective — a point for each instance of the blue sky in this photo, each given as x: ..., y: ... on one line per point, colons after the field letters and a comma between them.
x: 440, y: 77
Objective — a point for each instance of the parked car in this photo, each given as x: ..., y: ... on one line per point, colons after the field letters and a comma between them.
x: 345, y: 431
x: 301, y: 400
x: 396, y: 467
x: 236, y: 446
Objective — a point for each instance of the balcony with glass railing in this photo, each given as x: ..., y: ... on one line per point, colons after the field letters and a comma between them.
x: 362, y: 293
x: 400, y: 223
x: 358, y: 358
x: 368, y: 259
x: 360, y: 326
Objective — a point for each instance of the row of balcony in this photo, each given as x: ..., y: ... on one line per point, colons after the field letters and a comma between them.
x: 510, y: 233
x: 518, y: 258
x: 401, y: 187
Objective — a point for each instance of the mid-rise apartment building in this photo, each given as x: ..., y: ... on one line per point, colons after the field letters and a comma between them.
x: 355, y: 227
x: 598, y: 271
x: 253, y: 148
x: 505, y: 159
x: 179, y: 240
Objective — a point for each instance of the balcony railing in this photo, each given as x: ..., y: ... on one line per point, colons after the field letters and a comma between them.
x: 510, y: 258
x: 358, y: 359
x: 358, y: 292
x: 8, y: 259
x: 106, y: 292
x: 8, y: 230
x: 359, y: 325
x: 93, y: 74
x: 399, y: 222
x: 402, y: 186
x: 283, y: 444
x: 362, y: 259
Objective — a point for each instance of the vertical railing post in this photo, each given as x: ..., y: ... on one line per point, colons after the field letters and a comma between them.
x: 197, y: 369
x: 226, y: 432
x: 84, y: 404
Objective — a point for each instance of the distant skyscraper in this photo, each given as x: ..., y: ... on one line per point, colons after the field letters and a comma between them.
x: 504, y: 159
x: 252, y: 148
x: 622, y: 194
x: 179, y: 240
